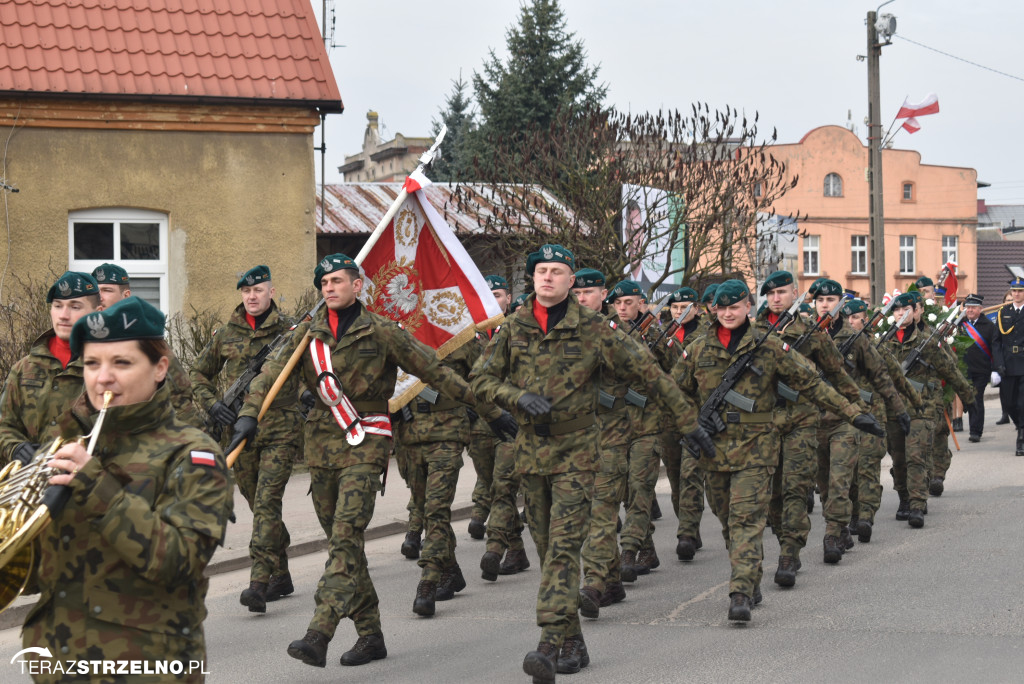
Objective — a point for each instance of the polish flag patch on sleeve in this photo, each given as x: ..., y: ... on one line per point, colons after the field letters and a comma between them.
x: 204, y: 458
x: 612, y: 325
x: 785, y: 347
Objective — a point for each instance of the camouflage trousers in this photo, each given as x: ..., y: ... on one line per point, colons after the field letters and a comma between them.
x: 791, y: 481
x: 671, y: 456
x: 644, y: 459
x: 910, y: 454
x: 344, y: 499
x: 866, y: 492
x: 558, y: 508
x: 481, y: 453
x: 941, y: 455
x: 261, y: 474
x: 838, y: 451
x: 690, y: 508
x: 433, y: 474
x: 740, y: 500
x: 601, y: 548
x: 504, y: 526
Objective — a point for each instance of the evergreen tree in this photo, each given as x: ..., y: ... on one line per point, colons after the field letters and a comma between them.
x: 455, y: 161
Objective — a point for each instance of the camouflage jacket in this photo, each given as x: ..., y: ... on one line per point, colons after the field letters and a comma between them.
x: 229, y: 352
x: 366, y: 360
x: 181, y: 394
x: 866, y: 366
x: 649, y: 419
x: 612, y: 412
x: 750, y: 438
x: 476, y: 348
x: 121, y: 565
x: 566, y: 365
x: 934, y: 367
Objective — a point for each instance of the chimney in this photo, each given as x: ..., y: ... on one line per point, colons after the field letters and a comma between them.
x: 981, y: 207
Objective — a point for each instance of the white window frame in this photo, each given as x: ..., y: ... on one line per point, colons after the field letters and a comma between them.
x: 858, y: 254
x: 137, y: 268
x: 908, y: 254
x: 950, y: 252
x: 812, y: 248
x: 834, y: 189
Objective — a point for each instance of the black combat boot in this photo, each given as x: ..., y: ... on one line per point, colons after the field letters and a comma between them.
x: 255, y: 597
x: 833, y: 550
x: 515, y: 562
x: 411, y: 545
x: 936, y: 487
x: 490, y: 566
x: 280, y: 586
x: 366, y: 648
x: 758, y: 596
x: 916, y: 518
x: 574, y: 656
x: 686, y: 549
x: 864, y: 531
x: 310, y: 649
x: 646, y: 560
x: 627, y: 566
x: 1020, y: 442
x: 739, y: 607
x: 1003, y: 420
x: 477, y: 528
x: 845, y: 540
x: 614, y: 592
x: 810, y: 502
x: 655, y: 510
x: 451, y: 582
x: 590, y: 602
x: 785, y: 576
x: 542, y: 663
x: 903, y: 512
x: 426, y: 592
x: 958, y: 424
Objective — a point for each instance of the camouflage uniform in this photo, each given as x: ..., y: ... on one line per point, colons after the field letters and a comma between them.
x: 482, y: 445
x: 558, y: 465
x: 747, y: 451
x: 344, y: 478
x: 263, y: 468
x: 911, y: 454
x: 690, y: 505
x: 504, y: 526
x: 121, y: 566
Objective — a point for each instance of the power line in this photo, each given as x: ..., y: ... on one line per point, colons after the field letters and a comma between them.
x: 960, y: 59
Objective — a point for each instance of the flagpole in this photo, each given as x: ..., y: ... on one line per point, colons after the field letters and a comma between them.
x: 886, y: 138
x: 425, y: 159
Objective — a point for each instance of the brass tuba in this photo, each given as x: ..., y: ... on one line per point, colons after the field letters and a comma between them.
x: 27, y: 503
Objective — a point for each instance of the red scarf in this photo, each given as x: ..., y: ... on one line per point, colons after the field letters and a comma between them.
x: 900, y: 333
x: 250, y: 319
x: 540, y: 312
x: 772, y: 317
x: 60, y: 349
x: 724, y: 336
x: 332, y: 322
x: 680, y: 334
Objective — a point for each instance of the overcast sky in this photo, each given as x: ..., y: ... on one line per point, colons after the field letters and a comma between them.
x: 793, y: 61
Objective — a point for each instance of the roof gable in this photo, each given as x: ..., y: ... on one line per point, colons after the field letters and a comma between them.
x: 263, y: 51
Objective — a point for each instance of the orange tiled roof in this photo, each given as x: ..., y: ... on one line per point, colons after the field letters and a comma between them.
x: 265, y: 51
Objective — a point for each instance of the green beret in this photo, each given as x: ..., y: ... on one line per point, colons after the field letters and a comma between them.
x: 730, y: 292
x: 905, y: 299
x: 625, y: 288
x: 496, y: 282
x: 813, y: 289
x: 916, y: 296
x: 110, y: 274
x: 517, y: 302
x: 777, y: 279
x: 73, y: 285
x: 683, y: 294
x: 589, y: 277
x: 824, y: 287
x: 709, y: 294
x: 924, y: 281
x: 550, y: 253
x: 260, y: 274
x: 854, y: 306
x: 806, y: 308
x: 331, y: 263
x: 130, y: 319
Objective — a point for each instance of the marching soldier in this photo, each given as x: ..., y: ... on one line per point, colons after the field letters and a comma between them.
x: 43, y: 384
x: 739, y: 474
x: 263, y: 468
x: 544, y: 364
x: 1009, y: 358
x: 351, y: 363
x: 981, y: 367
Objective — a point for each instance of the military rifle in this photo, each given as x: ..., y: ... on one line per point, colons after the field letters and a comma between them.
x: 887, y: 335
x: 848, y: 343
x: 954, y: 319
x: 822, y: 323
x: 672, y: 327
x: 642, y: 323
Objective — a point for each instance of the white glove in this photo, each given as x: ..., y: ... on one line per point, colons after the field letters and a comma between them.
x: 996, y: 379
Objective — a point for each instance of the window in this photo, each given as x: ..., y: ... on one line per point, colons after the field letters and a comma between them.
x: 134, y: 239
x: 758, y: 192
x: 833, y: 185
x: 811, y: 261
x: 907, y: 260
x: 859, y: 254
x: 908, y: 192
x: 950, y: 251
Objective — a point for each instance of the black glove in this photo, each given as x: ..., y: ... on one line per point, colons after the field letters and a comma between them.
x: 904, y: 419
x: 308, y: 400
x: 702, y: 439
x: 24, y: 452
x: 222, y: 413
x: 867, y: 423
x: 504, y: 426
x: 472, y: 415
x: 534, y: 404
x: 245, y: 428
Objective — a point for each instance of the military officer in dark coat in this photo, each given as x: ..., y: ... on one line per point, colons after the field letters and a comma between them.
x: 981, y: 368
x: 1009, y: 358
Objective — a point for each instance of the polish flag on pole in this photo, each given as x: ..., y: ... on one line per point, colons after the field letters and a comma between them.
x: 419, y: 275
x: 911, y: 125
x: 948, y: 281
x: 929, y: 105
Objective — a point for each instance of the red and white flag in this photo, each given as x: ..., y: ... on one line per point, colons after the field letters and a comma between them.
x: 929, y: 105
x: 911, y: 125
x: 948, y: 280
x: 421, y: 276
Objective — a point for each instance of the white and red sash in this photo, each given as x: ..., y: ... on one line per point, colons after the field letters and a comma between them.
x: 356, y: 427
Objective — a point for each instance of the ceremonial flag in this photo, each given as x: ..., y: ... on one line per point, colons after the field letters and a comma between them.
x: 949, y: 282
x: 911, y: 125
x: 929, y: 105
x: 419, y: 275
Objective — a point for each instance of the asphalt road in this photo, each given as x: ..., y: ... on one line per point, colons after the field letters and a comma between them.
x: 932, y: 605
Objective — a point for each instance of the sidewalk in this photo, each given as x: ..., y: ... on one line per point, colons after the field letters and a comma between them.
x: 389, y: 517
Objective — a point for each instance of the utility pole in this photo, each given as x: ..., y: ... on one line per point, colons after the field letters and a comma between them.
x: 876, y: 223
